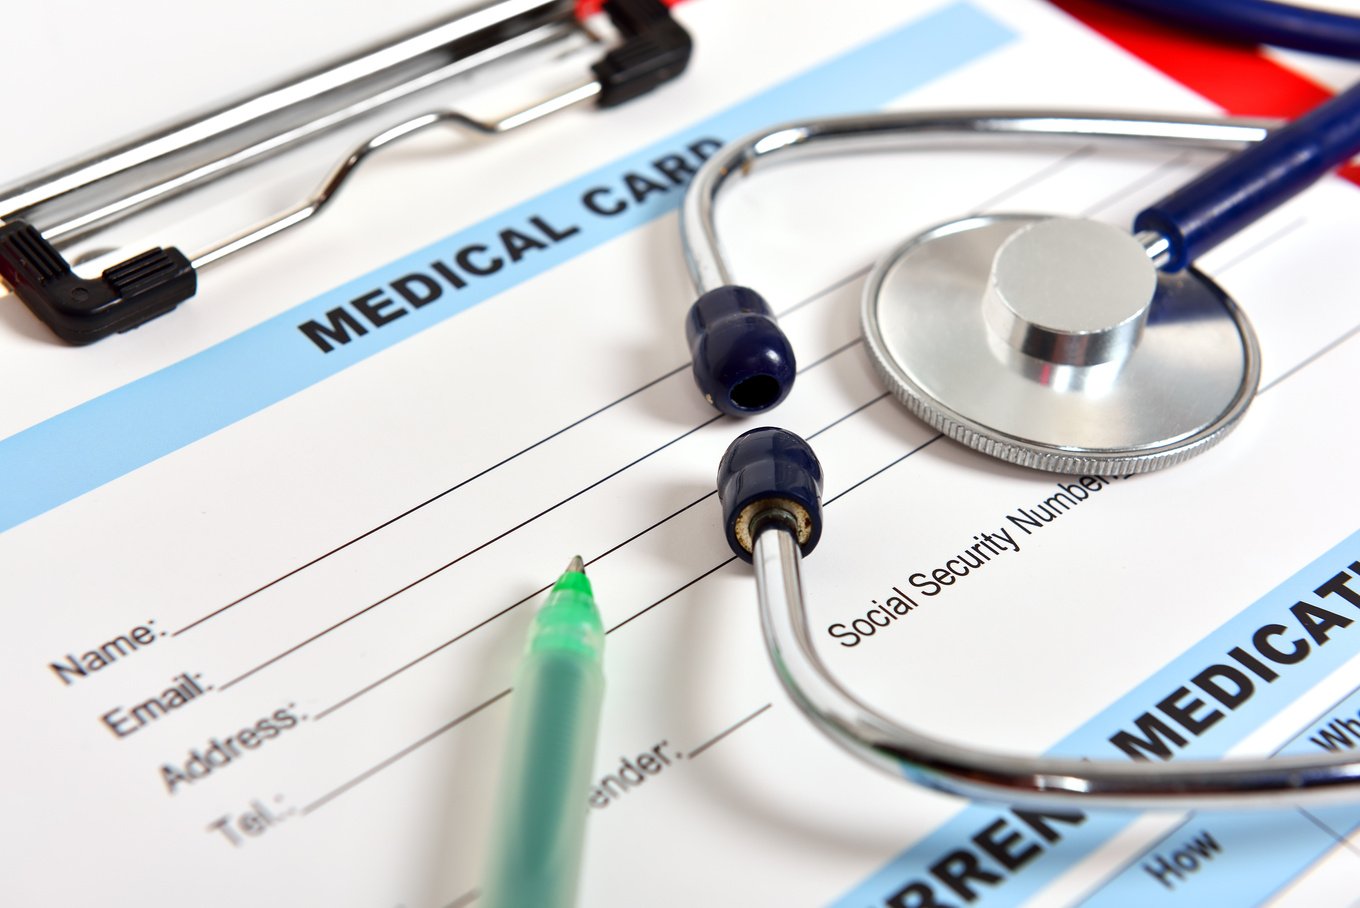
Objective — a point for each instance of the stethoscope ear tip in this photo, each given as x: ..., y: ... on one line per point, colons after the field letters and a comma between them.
x: 743, y: 363
x: 770, y: 475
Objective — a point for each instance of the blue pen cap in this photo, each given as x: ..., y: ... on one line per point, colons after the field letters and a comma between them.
x: 743, y: 363
x: 770, y: 470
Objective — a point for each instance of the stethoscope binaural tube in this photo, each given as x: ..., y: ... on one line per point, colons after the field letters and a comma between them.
x: 769, y: 483
x: 1043, y: 349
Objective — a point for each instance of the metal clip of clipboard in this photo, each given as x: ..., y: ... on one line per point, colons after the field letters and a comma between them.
x: 59, y: 206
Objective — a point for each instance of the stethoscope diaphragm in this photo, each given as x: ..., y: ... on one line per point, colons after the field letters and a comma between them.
x: 1055, y: 343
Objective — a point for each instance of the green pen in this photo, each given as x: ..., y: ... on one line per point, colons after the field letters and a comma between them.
x: 539, y: 824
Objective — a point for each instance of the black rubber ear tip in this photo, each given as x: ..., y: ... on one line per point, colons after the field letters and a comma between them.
x: 773, y: 466
x: 743, y: 363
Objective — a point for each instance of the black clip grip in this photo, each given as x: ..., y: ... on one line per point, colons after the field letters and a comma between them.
x: 83, y: 310
x: 655, y: 50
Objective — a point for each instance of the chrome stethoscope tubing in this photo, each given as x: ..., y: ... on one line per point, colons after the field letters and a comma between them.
x: 908, y: 131
x: 993, y: 776
x: 769, y: 483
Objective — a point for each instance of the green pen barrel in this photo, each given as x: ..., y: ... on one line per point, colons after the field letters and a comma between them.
x: 539, y: 828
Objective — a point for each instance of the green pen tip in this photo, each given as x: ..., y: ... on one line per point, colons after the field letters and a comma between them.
x: 569, y: 618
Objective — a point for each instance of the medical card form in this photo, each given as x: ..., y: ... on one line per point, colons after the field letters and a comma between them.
x: 266, y: 563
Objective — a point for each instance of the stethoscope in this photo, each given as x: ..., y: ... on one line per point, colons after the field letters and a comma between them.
x: 1055, y: 343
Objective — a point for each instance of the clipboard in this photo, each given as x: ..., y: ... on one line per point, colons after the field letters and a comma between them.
x: 69, y: 202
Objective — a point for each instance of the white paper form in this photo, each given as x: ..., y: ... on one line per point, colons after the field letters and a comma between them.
x: 331, y: 557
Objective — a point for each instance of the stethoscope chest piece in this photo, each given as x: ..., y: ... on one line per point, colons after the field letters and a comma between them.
x: 1056, y: 343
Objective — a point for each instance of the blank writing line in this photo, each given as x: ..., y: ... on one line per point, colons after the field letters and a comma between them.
x: 1257, y: 247
x: 828, y: 290
x: 423, y: 656
x: 409, y: 511
x: 836, y: 422
x: 882, y: 470
x: 405, y: 751
x: 470, y: 552
x: 1130, y: 188
x: 832, y: 355
x: 1043, y: 173
x: 485, y: 621
x: 674, y: 592
x: 1312, y: 359
x: 724, y: 733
